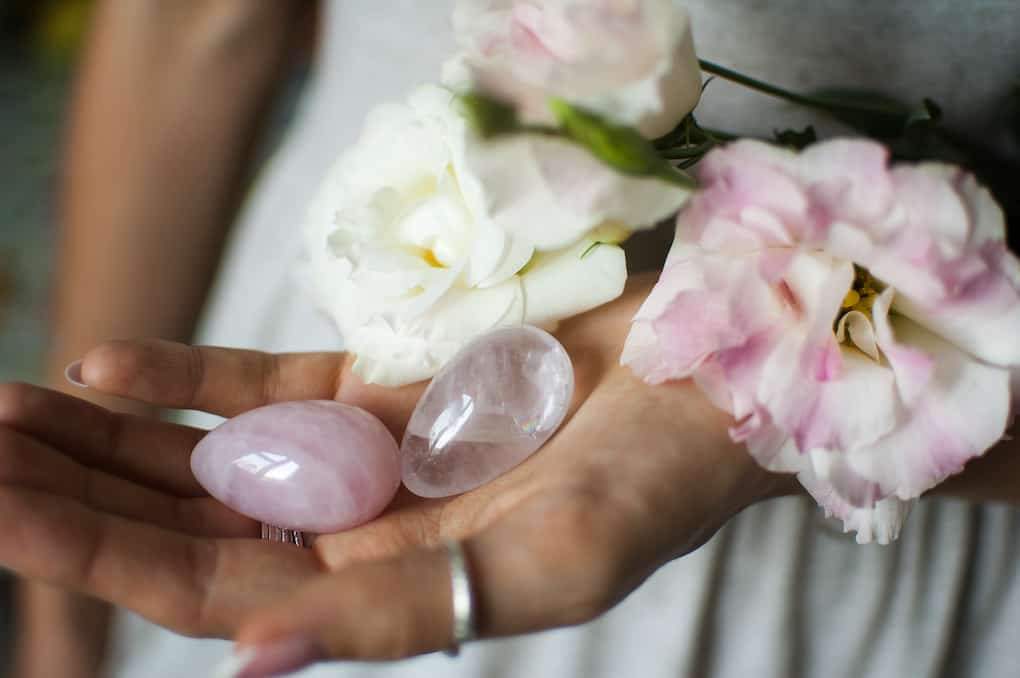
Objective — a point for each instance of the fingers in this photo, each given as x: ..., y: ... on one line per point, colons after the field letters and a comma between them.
x: 218, y: 380
x: 230, y: 381
x: 553, y: 563
x: 27, y: 463
x: 153, y: 453
x: 191, y: 585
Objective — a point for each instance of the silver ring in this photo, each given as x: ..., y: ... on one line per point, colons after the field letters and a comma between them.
x: 462, y: 598
x: 284, y: 536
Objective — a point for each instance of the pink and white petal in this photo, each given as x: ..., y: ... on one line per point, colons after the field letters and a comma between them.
x: 848, y: 180
x: 684, y: 270
x: 641, y: 350
x: 963, y: 412
x: 880, y: 523
x: 818, y: 284
x: 742, y: 367
x: 854, y: 327
x: 985, y: 321
x: 913, y: 368
x: 851, y: 486
x: 744, y: 153
x: 742, y: 182
x: 820, y: 394
x: 771, y: 448
x: 926, y: 194
x: 700, y: 307
x: 711, y: 380
x: 836, y: 410
x: 987, y: 221
x: 658, y: 102
x: 852, y: 243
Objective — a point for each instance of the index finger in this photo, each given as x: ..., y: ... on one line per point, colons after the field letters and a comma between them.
x: 228, y: 381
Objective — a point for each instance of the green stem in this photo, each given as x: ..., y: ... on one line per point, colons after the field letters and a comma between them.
x: 717, y: 135
x: 802, y: 99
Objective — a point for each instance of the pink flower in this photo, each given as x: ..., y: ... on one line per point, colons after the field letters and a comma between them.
x: 860, y: 322
x: 630, y: 60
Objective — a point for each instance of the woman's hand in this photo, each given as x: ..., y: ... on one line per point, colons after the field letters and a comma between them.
x: 107, y: 504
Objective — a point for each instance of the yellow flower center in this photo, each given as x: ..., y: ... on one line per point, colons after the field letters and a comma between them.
x: 430, y: 258
x: 862, y: 294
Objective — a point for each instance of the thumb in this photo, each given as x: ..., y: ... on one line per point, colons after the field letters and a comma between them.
x: 369, y: 610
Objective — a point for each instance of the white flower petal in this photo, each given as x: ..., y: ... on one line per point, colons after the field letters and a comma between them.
x: 550, y: 191
x: 407, y: 259
x: 561, y: 284
x: 879, y: 523
x: 855, y: 327
x: 488, y: 252
x: 409, y: 350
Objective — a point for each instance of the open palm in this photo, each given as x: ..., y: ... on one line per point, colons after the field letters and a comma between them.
x: 106, y: 503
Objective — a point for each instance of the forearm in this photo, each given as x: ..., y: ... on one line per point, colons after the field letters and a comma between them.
x: 994, y: 477
x: 168, y: 101
x: 169, y: 98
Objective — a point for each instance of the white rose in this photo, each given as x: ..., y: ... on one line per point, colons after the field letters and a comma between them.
x: 408, y: 261
x: 533, y: 181
x: 632, y: 61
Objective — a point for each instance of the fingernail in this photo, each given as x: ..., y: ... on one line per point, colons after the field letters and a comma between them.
x: 229, y: 667
x: 276, y: 658
x: 73, y: 374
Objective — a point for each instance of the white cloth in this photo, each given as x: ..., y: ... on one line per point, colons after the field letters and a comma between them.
x: 778, y: 593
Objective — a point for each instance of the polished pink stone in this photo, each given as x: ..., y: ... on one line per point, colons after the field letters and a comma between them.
x: 318, y: 466
x: 490, y: 408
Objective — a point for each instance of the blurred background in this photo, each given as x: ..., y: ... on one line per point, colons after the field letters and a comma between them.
x: 38, y: 42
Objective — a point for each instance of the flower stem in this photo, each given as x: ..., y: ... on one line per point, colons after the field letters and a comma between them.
x: 820, y: 103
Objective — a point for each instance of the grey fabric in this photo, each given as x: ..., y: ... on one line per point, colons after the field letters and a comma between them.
x: 779, y: 593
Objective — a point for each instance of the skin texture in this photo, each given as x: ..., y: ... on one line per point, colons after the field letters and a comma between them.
x: 168, y: 101
x: 105, y: 503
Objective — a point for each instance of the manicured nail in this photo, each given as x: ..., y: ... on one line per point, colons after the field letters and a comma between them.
x: 73, y: 374
x: 278, y: 658
x: 229, y: 667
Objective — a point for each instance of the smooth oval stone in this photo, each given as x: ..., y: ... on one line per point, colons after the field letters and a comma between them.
x: 318, y: 466
x: 490, y: 408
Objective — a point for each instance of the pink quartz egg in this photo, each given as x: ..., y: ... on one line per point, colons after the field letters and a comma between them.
x: 316, y: 466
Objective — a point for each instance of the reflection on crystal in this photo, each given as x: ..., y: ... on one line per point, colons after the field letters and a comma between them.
x: 450, y: 422
x: 283, y: 471
x: 489, y: 409
x: 318, y: 466
x: 255, y: 462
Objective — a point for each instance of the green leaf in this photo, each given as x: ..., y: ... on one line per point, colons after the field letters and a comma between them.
x: 620, y: 147
x: 588, y: 250
x: 488, y: 117
x: 874, y: 113
x: 795, y: 139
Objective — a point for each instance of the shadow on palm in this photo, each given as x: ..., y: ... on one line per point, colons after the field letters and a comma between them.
x: 107, y: 504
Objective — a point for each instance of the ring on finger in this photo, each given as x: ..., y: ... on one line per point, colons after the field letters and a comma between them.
x: 462, y: 596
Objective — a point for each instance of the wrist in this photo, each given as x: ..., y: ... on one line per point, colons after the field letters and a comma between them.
x: 758, y: 484
x: 699, y: 427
